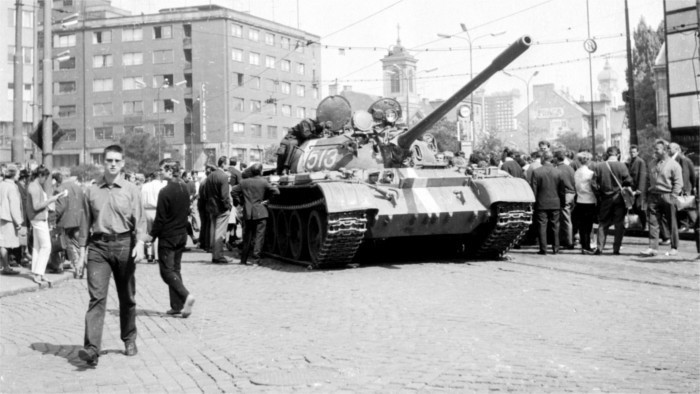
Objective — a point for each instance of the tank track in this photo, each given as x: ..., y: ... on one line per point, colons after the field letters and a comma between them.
x: 510, y: 223
x: 345, y: 232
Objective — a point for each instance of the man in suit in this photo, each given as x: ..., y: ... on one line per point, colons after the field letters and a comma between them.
x: 686, y: 219
x: 638, y: 171
x: 608, y: 178
x: 547, y: 186
x: 252, y: 192
x: 218, y: 205
x: 566, y: 172
x: 511, y: 166
x: 235, y: 179
x: 69, y: 215
x: 204, y: 225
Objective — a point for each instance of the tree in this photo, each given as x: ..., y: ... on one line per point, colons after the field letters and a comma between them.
x: 490, y: 143
x: 140, y: 152
x: 647, y: 137
x: 445, y: 133
x: 86, y: 172
x: 270, y: 154
x: 647, y: 44
x: 572, y: 140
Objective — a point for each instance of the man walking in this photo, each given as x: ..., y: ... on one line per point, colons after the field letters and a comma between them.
x: 170, y: 227
x: 252, y: 192
x: 149, y: 197
x: 218, y: 205
x: 548, y: 188
x: 114, y: 212
x: 638, y: 171
x: 69, y: 215
x: 686, y: 219
x: 665, y: 180
x: 609, y: 178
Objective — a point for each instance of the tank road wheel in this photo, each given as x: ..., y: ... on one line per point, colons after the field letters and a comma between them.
x: 296, y: 235
x: 282, y: 234
x: 270, y: 234
x: 316, y: 234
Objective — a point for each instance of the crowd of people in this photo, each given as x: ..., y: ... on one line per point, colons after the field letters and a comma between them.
x: 575, y: 191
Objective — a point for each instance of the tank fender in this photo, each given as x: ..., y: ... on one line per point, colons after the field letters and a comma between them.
x: 346, y: 196
x: 507, y: 189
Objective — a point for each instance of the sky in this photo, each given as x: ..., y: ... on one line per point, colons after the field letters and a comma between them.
x: 557, y: 27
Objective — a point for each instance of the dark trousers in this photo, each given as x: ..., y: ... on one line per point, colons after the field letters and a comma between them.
x: 545, y: 218
x: 612, y: 212
x: 253, y: 236
x: 217, y: 228
x: 204, y: 230
x: 584, y: 215
x: 105, y: 259
x: 566, y: 227
x: 170, y: 252
x: 661, y: 212
x: 71, y: 244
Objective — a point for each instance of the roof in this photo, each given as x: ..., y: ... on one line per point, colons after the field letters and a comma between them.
x: 660, y: 60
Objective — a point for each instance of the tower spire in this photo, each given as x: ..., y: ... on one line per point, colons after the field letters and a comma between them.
x: 398, y: 34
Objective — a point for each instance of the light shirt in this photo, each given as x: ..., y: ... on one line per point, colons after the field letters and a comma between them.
x: 149, y: 193
x: 583, y: 178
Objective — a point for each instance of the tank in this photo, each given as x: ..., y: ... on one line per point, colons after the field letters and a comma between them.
x: 355, y: 178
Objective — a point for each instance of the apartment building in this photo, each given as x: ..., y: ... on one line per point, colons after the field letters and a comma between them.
x: 206, y: 81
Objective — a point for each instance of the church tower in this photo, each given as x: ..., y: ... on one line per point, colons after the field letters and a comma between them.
x: 607, y: 85
x: 399, y: 71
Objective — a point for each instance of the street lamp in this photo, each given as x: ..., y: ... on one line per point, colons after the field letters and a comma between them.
x: 527, y: 104
x: 471, y: 72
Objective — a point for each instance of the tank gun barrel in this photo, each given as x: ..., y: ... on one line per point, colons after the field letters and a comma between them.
x: 506, y: 57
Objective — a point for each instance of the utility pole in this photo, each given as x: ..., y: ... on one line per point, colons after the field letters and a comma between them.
x: 18, y: 104
x: 47, y: 108
x: 590, y: 77
x: 631, y: 101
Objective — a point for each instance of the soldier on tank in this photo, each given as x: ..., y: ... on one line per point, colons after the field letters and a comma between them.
x: 305, y: 130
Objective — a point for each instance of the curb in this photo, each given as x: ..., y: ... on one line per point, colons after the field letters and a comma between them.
x: 31, y: 286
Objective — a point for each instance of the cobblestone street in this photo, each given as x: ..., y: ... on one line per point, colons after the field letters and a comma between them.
x: 529, y: 324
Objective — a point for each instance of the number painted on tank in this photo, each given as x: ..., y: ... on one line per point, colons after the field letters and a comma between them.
x: 318, y: 160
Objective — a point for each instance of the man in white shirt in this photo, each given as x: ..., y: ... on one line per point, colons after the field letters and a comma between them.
x: 149, y: 198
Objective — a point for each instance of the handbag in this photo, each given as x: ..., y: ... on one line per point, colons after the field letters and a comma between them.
x: 626, y: 192
x: 683, y: 202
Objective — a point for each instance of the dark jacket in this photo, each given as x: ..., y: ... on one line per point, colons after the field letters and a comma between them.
x: 216, y: 192
x: 567, y: 177
x: 603, y: 182
x: 252, y: 192
x: 69, y: 209
x: 172, y: 210
x: 638, y: 171
x: 547, y: 185
x: 513, y: 168
x: 236, y: 176
x: 688, y: 173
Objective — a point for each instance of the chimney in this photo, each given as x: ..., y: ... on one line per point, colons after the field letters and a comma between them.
x: 333, y: 89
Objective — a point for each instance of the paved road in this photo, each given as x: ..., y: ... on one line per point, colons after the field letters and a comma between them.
x: 560, y: 323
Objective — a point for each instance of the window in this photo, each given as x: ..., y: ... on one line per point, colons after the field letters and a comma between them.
x: 254, y: 58
x: 101, y: 61
x: 254, y: 83
x: 285, y: 65
x: 26, y: 95
x: 272, y: 132
x: 237, y: 104
x: 63, y: 40
x: 104, y: 133
x: 67, y: 87
x: 134, y: 34
x: 285, y: 42
x: 164, y: 56
x: 236, y: 55
x: 27, y: 54
x: 133, y: 83
x: 301, y: 69
x: 68, y: 64
x: 168, y: 105
x: 166, y: 130
x: 102, y: 109
x: 97, y: 158
x: 69, y: 135
x: 270, y: 108
x: 286, y: 87
x: 162, y: 32
x: 188, y: 56
x: 65, y: 111
x: 188, y: 80
x: 395, y: 82
x: 132, y: 59
x: 236, y: 30
x: 299, y: 47
x: 133, y: 129
x: 254, y: 34
x: 102, y: 85
x: 187, y: 30
x: 132, y: 107
x: 301, y: 112
x: 270, y: 61
x: 301, y: 90
x: 163, y: 81
x: 238, y: 77
x: 102, y: 37
x: 238, y: 127
x: 255, y: 106
x: 315, y: 93
x: 255, y: 130
x: 270, y: 85
x: 269, y: 39
x: 286, y: 110
x: 27, y: 18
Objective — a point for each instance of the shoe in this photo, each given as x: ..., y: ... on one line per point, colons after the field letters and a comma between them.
x: 187, y: 310
x: 173, y: 312
x: 666, y: 242
x: 616, y: 252
x: 221, y: 261
x: 649, y: 252
x: 672, y: 252
x: 89, y: 356
x: 683, y: 229
x: 542, y: 252
x: 130, y: 349
x: 156, y: 261
x: 37, y: 280
x: 589, y: 252
x: 8, y: 271
x: 597, y: 252
x: 555, y: 251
